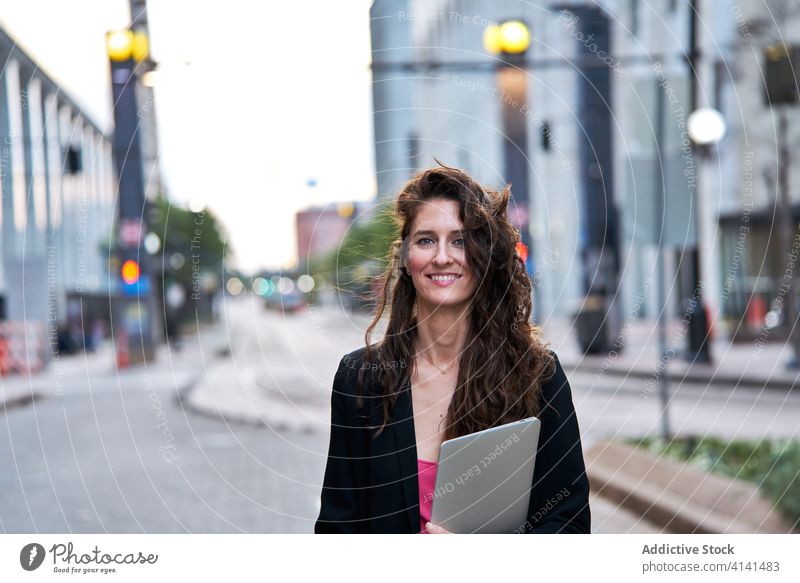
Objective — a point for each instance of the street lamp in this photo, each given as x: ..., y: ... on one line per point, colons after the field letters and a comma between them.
x: 133, y: 308
x: 706, y: 126
x: 509, y: 41
x: 124, y: 45
x: 512, y: 37
x: 118, y: 45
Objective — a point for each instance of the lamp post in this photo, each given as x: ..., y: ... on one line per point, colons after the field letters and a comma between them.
x: 706, y: 128
x: 509, y: 42
x: 597, y: 319
x: 133, y: 306
x: 706, y: 121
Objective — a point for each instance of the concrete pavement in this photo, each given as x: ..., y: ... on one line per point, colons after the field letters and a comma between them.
x: 748, y: 364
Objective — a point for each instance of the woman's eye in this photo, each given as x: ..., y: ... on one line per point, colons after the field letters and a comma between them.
x: 458, y: 242
x: 425, y: 241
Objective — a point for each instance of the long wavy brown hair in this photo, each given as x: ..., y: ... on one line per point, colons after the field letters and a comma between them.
x: 505, y: 359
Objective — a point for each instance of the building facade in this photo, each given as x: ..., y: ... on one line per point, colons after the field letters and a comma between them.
x: 58, y: 188
x: 439, y: 94
x: 320, y: 230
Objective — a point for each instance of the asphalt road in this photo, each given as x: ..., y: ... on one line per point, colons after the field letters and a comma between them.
x: 134, y: 460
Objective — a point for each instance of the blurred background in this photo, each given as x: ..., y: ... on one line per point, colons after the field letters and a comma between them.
x: 196, y: 214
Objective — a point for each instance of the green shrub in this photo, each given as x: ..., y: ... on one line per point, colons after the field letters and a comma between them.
x: 772, y: 465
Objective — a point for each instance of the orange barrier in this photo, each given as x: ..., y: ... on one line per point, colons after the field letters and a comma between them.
x: 122, y: 349
x: 23, y: 348
x: 5, y: 365
x: 756, y: 311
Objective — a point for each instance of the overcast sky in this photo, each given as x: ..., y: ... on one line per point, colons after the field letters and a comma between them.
x: 252, y: 99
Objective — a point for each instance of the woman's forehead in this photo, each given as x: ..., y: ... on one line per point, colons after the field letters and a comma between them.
x: 438, y: 215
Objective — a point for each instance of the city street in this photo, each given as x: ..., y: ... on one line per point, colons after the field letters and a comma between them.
x: 188, y: 252
x: 291, y: 360
x: 243, y: 449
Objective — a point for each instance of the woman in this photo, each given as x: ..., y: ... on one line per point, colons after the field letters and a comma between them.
x: 459, y: 355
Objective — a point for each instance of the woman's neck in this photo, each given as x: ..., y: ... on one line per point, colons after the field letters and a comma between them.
x: 442, y: 332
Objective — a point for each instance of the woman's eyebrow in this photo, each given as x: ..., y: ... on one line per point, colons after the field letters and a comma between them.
x: 427, y: 232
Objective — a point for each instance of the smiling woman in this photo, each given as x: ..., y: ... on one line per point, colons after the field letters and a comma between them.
x: 460, y: 354
x: 436, y: 258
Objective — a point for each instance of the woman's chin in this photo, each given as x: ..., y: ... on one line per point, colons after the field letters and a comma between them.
x: 442, y: 302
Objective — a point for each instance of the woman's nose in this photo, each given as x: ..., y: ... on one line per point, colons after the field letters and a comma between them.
x: 442, y: 254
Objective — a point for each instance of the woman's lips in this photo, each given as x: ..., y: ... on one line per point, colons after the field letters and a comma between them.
x: 443, y: 279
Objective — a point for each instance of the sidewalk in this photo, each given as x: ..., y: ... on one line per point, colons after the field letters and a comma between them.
x: 85, y: 372
x: 734, y: 365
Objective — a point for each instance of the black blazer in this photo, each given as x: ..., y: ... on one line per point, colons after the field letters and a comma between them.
x: 371, y: 484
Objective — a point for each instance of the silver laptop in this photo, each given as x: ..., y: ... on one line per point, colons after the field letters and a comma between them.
x: 483, y: 480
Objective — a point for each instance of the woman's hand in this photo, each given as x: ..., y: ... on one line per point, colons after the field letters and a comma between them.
x: 436, y: 529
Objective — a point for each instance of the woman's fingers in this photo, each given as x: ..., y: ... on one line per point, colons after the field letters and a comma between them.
x: 436, y: 529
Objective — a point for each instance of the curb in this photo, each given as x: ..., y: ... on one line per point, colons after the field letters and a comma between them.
x: 678, y: 497
x: 686, y: 376
x: 185, y: 400
x: 19, y: 401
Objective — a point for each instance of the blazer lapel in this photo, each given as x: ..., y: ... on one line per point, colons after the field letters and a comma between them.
x: 406, y: 444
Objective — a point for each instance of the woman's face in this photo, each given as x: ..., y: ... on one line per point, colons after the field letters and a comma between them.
x: 437, y: 261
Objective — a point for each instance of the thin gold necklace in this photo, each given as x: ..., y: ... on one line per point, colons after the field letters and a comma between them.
x: 441, y: 370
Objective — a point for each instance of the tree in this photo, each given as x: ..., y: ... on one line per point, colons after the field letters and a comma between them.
x: 192, y: 254
x: 360, y: 259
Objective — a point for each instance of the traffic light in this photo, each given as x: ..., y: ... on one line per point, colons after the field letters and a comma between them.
x: 131, y: 272
x: 134, y: 282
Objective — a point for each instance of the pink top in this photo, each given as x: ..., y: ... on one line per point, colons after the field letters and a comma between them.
x: 427, y: 483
